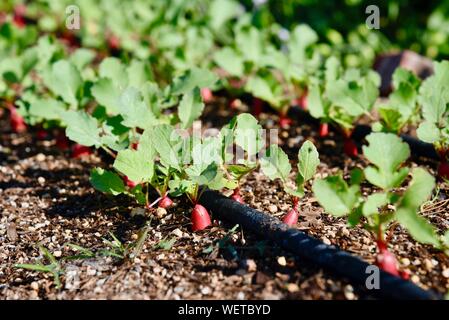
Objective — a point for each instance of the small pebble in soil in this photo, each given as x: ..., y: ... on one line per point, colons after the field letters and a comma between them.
x: 40, y: 157
x: 161, y: 212
x: 177, y: 232
x: 446, y: 273
x: 326, y: 241
x: 57, y: 254
x: 405, y: 262
x: 272, y: 208
x: 34, y: 285
x: 292, y: 287
x: 349, y: 292
x: 282, y: 261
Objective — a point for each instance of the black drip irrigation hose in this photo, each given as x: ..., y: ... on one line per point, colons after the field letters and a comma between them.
x: 418, y: 148
x: 327, y: 257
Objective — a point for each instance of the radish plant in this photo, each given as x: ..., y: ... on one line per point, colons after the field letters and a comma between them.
x: 245, y: 133
x: 275, y: 165
x: 434, y: 97
x: 396, y: 201
x: 346, y: 96
x: 402, y: 108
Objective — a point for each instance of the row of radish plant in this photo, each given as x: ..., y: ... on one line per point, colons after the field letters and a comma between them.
x: 131, y: 109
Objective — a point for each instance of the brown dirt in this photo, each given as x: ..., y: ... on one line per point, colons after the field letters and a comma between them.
x: 46, y: 197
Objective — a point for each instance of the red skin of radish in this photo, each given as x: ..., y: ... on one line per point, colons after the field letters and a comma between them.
x: 284, y: 121
x: 200, y: 218
x: 387, y: 262
x: 113, y: 42
x: 207, y: 95
x: 324, y: 130
x: 134, y: 145
x: 165, y: 202
x: 41, y: 134
x: 257, y: 106
x: 291, y: 218
x: 129, y: 183
x: 79, y: 151
x: 350, y: 148
x: 443, y: 169
x: 302, y: 102
x: 62, y: 142
x: 19, y: 12
x: 236, y: 196
x: 16, y: 121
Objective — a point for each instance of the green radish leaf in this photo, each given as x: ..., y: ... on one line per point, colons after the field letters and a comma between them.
x: 113, y: 69
x: 317, y: 106
x: 336, y: 196
x: 357, y: 176
x: 387, y: 152
x: 190, y: 108
x: 275, y: 164
x: 64, y: 80
x: 373, y: 202
x: 230, y: 60
x: 420, y: 190
x: 106, y: 181
x: 47, y: 109
x: 308, y: 161
x: 428, y: 132
x: 250, y: 43
x: 354, y: 97
x: 248, y: 134
x: 134, y: 110
x: 221, y: 11
x: 167, y: 143
x: 135, y: 165
x: 82, y: 128
x: 107, y: 95
x: 82, y: 57
x: 237, y: 171
x: 260, y: 87
x: 194, y: 78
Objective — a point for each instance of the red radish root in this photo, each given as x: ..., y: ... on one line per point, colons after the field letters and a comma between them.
x: 291, y: 218
x: 62, y: 142
x: 19, y: 13
x: 207, y: 95
x: 385, y: 260
x: 324, y: 130
x: 257, y: 106
x: 443, y: 169
x: 165, y: 202
x: 350, y: 148
x: 284, y: 121
x: 302, y: 101
x: 41, y: 134
x: 129, y: 183
x: 17, y: 122
x: 113, y: 42
x: 200, y: 218
x: 236, y: 196
x: 79, y: 151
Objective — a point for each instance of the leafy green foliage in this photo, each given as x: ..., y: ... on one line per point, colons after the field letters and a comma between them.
x: 386, y: 152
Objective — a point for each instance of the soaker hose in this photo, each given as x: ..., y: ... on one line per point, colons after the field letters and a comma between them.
x: 327, y: 257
